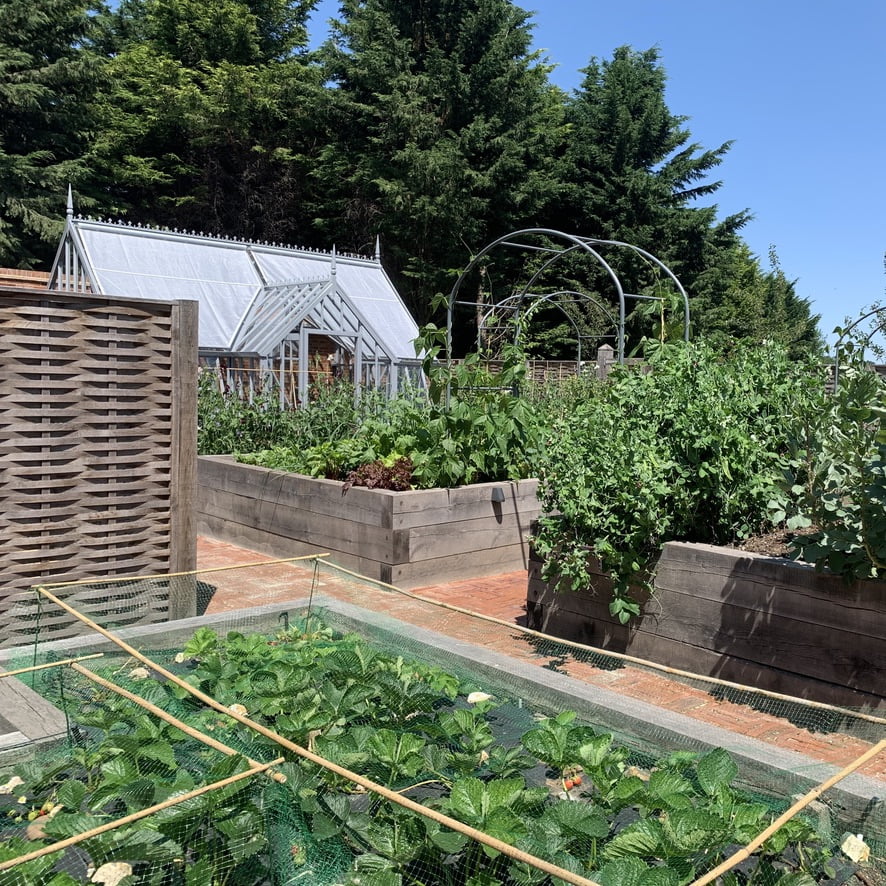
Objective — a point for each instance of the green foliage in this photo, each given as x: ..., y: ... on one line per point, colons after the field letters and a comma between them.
x: 691, y: 450
x: 834, y: 488
x: 473, y: 427
x: 408, y: 726
x: 48, y: 77
x: 434, y: 126
x: 631, y: 173
x: 228, y: 422
x: 621, y: 124
x: 332, y: 459
x: 205, y: 122
x: 442, y: 129
x: 476, y: 427
x: 735, y: 298
x: 138, y: 761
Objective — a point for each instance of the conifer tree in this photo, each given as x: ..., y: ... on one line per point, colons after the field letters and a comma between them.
x: 442, y: 129
x: 210, y: 106
x: 740, y: 300
x: 48, y: 76
x: 631, y: 173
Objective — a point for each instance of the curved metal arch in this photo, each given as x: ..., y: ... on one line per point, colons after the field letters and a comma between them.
x: 549, y: 297
x: 657, y: 261
x: 880, y: 327
x: 577, y: 243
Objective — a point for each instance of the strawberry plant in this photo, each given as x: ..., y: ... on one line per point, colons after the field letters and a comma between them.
x: 564, y: 791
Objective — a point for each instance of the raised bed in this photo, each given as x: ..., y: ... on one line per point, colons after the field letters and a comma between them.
x: 856, y: 802
x: 407, y: 539
x: 746, y: 618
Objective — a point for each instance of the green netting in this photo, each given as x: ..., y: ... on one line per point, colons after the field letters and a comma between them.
x: 550, y: 748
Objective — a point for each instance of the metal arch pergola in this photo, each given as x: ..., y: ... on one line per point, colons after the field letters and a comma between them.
x: 515, y: 302
x: 569, y: 243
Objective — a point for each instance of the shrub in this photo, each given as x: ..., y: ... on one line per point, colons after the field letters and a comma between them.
x: 691, y: 450
x: 834, y: 486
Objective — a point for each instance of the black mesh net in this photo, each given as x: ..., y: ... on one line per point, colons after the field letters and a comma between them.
x: 311, y: 726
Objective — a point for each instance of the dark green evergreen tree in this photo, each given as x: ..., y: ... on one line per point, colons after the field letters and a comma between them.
x: 631, y: 173
x: 48, y: 77
x: 740, y: 300
x: 210, y: 115
x: 442, y: 129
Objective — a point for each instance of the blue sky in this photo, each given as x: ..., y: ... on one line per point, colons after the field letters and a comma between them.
x: 799, y: 87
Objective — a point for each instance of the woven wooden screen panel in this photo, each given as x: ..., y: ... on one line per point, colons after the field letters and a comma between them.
x: 97, y: 436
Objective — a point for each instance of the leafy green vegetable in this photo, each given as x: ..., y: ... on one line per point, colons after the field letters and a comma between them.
x: 408, y: 726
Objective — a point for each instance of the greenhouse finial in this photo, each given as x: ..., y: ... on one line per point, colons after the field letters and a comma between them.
x: 69, y: 211
x: 332, y: 266
x: 378, y: 249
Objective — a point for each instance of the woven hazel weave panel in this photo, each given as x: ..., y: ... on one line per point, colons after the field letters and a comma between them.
x: 87, y: 436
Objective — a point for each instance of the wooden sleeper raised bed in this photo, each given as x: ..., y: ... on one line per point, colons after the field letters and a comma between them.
x: 746, y: 618
x: 408, y: 539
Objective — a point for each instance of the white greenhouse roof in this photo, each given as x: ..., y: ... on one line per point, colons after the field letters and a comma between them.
x: 227, y: 278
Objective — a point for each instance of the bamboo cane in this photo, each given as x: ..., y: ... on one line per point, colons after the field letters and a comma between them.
x: 381, y: 790
x: 135, y: 816
x: 169, y: 718
x: 802, y: 803
x: 619, y: 656
x: 51, y: 664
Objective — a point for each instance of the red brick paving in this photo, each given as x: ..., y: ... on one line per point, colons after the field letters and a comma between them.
x: 503, y: 597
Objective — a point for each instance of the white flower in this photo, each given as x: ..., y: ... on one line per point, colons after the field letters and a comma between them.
x: 11, y: 785
x: 112, y: 873
x: 180, y: 658
x: 477, y: 697
x: 238, y: 709
x: 138, y: 674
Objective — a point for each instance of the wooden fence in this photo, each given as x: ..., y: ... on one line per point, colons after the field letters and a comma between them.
x: 98, y: 442
x: 558, y: 370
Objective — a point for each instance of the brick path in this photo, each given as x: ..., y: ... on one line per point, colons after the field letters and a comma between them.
x: 503, y: 597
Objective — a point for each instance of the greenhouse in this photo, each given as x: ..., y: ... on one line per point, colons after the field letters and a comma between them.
x: 266, y: 310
